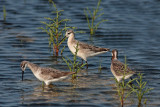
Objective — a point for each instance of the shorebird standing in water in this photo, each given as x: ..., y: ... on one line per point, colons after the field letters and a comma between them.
x: 118, y: 68
x: 46, y: 75
x: 84, y: 50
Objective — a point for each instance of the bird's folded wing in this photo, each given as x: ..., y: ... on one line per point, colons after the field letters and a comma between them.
x: 51, y: 73
x: 119, y: 68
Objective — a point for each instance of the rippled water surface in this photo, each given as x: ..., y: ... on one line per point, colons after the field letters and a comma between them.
x: 133, y: 28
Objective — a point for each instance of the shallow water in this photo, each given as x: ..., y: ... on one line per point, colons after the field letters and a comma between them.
x: 133, y: 29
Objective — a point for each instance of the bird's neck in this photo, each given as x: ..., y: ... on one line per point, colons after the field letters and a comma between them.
x: 71, y: 39
x: 33, y: 67
x: 114, y: 58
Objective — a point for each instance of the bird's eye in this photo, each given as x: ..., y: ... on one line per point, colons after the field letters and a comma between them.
x: 69, y: 32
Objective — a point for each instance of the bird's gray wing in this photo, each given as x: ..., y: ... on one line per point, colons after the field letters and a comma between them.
x: 50, y: 73
x: 91, y: 47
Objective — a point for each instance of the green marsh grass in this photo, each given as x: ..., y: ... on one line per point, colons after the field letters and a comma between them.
x: 140, y: 89
x: 100, y: 66
x: 74, y: 65
x: 4, y: 13
x: 55, y: 28
x: 62, y: 50
x: 91, y: 16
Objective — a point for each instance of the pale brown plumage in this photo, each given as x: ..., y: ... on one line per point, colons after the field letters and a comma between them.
x: 47, y: 75
x: 118, y: 68
x: 84, y: 50
x: 92, y: 48
x: 50, y: 73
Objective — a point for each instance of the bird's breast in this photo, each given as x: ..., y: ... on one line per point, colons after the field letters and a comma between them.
x: 72, y: 46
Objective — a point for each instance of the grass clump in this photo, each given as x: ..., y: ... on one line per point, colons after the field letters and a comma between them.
x: 74, y: 65
x: 92, y: 16
x: 140, y: 89
x: 55, y: 28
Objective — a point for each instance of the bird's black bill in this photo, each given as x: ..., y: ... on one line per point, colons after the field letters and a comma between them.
x: 22, y: 75
x: 62, y: 40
